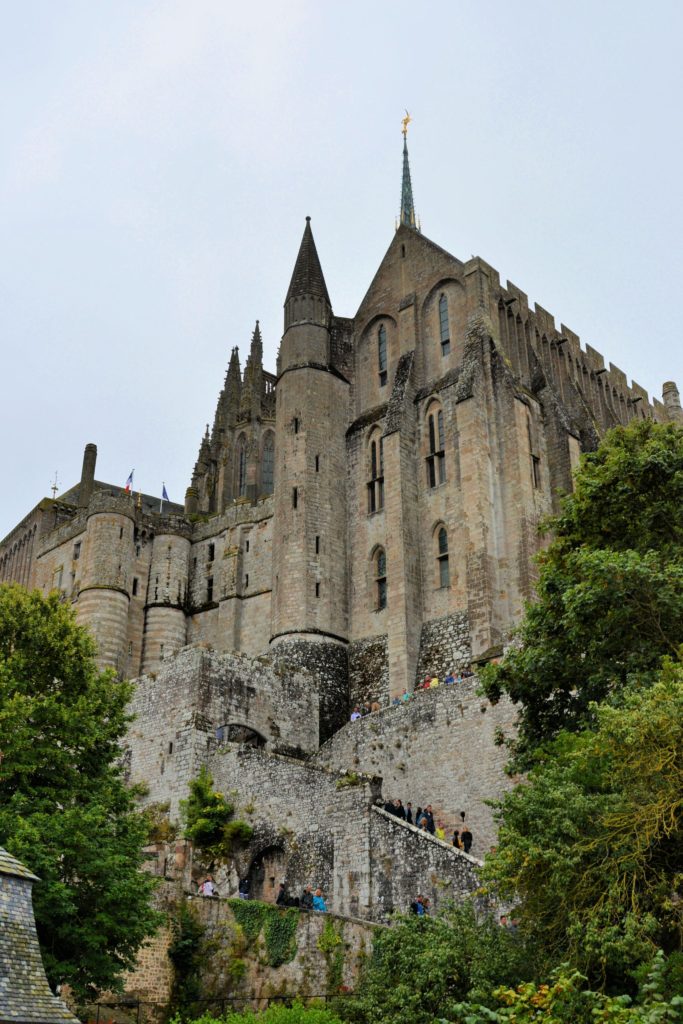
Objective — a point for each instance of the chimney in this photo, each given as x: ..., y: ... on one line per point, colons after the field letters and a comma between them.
x: 87, y: 475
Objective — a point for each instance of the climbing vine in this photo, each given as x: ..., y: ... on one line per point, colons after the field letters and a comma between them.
x: 186, y: 953
x: 278, y: 926
x: 331, y: 945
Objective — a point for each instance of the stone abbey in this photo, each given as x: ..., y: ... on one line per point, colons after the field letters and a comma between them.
x: 363, y: 515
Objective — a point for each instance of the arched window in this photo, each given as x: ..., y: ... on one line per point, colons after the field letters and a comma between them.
x: 268, y: 464
x: 442, y: 556
x: 242, y: 468
x: 436, y: 458
x: 382, y: 354
x: 380, y: 581
x: 444, y: 330
x: 376, y: 481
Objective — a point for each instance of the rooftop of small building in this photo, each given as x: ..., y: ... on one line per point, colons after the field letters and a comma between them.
x: 9, y: 865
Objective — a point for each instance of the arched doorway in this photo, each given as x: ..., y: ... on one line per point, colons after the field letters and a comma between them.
x: 266, y: 872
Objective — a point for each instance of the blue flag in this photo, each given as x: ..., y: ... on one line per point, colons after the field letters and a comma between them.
x: 164, y: 493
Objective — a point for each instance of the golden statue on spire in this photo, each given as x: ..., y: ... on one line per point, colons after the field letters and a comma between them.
x: 405, y: 122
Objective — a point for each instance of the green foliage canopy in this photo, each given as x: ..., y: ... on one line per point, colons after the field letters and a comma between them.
x: 64, y: 808
x: 610, y: 589
x: 422, y: 967
x: 592, y: 843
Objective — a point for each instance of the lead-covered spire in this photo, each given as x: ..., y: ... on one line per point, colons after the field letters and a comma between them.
x: 407, y: 204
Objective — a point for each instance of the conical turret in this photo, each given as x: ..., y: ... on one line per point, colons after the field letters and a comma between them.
x: 307, y: 298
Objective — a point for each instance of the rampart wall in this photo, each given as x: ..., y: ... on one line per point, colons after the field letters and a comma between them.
x: 438, y: 748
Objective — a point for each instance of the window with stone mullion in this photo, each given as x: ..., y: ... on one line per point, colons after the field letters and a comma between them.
x: 376, y: 482
x: 436, y: 460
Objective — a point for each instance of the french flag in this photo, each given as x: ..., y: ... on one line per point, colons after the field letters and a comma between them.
x: 129, y: 482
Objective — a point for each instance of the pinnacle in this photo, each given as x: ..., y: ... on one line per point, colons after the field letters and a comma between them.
x: 307, y: 278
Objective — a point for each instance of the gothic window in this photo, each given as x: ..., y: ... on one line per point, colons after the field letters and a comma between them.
x: 382, y: 355
x: 442, y: 556
x: 436, y: 457
x: 376, y: 481
x: 242, y: 468
x: 444, y: 331
x: 268, y: 464
x: 380, y: 579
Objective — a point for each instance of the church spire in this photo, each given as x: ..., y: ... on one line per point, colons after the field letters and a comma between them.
x: 407, y: 204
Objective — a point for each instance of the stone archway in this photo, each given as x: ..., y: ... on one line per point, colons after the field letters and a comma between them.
x: 266, y: 871
x: 237, y: 732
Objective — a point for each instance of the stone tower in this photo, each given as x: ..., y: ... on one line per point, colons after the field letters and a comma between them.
x: 310, y: 610
x: 106, y: 575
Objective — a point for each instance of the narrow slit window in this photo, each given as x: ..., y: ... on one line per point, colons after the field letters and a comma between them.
x: 382, y: 355
x: 295, y: 497
x: 212, y: 552
x: 135, y: 586
x: 317, y: 590
x: 242, y: 469
x: 442, y: 557
x: 209, y: 589
x: 380, y: 580
x: 444, y: 329
x: 317, y: 545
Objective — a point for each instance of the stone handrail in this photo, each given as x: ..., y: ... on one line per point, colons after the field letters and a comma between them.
x: 427, y: 836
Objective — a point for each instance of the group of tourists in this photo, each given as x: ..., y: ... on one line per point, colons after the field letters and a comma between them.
x: 423, y: 818
x: 428, y: 683
x: 420, y: 906
x: 308, y: 900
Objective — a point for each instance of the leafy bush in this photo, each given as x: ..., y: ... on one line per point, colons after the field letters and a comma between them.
x: 209, y: 820
x: 296, y: 1014
x: 422, y: 967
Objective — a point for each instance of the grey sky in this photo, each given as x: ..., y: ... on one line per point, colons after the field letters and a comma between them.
x: 157, y: 161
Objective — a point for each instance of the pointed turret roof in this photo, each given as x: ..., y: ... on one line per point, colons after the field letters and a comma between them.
x: 407, y: 204
x: 307, y: 278
x: 256, y: 344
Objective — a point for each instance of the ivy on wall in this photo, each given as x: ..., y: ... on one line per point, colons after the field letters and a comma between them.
x: 278, y: 927
x: 331, y: 945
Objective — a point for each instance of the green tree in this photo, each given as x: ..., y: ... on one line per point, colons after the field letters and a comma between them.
x: 422, y: 967
x: 210, y: 822
x: 64, y: 808
x: 592, y: 844
x: 610, y: 590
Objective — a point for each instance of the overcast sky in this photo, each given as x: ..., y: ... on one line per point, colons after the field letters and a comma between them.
x: 157, y: 161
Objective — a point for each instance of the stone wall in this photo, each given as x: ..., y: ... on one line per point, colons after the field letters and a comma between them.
x: 407, y: 862
x: 311, y: 825
x: 179, y: 708
x: 330, y: 950
x: 439, y: 748
x: 327, y: 661
x: 444, y: 645
x: 368, y: 671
